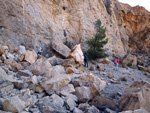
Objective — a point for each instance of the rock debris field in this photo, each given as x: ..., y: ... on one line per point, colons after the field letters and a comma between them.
x: 31, y: 83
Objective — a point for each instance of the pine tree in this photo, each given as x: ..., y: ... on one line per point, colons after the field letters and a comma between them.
x: 97, y: 43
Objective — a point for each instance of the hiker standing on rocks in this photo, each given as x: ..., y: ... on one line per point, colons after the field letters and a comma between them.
x: 39, y: 50
x: 116, y: 62
x: 85, y: 60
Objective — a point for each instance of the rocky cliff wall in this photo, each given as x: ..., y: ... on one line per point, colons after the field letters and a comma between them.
x: 38, y: 22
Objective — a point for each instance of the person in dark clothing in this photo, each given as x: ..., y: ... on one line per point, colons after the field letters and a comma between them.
x: 85, y: 60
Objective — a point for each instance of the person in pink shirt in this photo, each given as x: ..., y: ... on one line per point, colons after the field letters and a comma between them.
x: 116, y: 62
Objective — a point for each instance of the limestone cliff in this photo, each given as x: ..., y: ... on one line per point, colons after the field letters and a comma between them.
x: 38, y: 22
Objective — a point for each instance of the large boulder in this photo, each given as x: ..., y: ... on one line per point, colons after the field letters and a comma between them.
x: 103, y: 102
x: 27, y: 97
x: 100, y: 67
x: 52, y: 104
x: 13, y: 104
x: 88, y: 86
x: 89, y: 79
x: 83, y: 93
x: 136, y: 97
x: 70, y: 103
x: 3, y: 50
x: 30, y: 56
x: 41, y: 66
x: 26, y: 73
x: 22, y: 49
x: 69, y: 63
x: 58, y: 70
x: 77, y: 54
x: 60, y: 48
x: 56, y: 83
x: 15, y: 66
x: 104, y: 60
x: 136, y: 111
x: 130, y: 60
x: 3, y: 74
x: 70, y: 70
x: 55, y: 60
x: 68, y: 89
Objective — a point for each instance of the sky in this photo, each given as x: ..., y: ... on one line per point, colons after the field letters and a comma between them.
x: 144, y: 3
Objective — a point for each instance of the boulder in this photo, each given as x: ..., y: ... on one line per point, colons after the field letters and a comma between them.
x: 3, y: 57
x: 52, y: 104
x: 136, y: 111
x: 27, y: 73
x: 77, y: 54
x: 55, y: 60
x: 69, y: 63
x: 82, y: 69
x: 104, y: 60
x: 69, y: 89
x: 22, y: 57
x: 103, y: 102
x: 25, y: 64
x: 41, y: 66
x: 70, y: 104
x: 57, y: 70
x: 83, y: 93
x: 110, y: 75
x: 70, y: 70
x: 27, y: 97
x: 56, y: 83
x: 22, y: 50
x: 88, y: 86
x: 136, y: 97
x: 130, y: 60
x: 3, y: 50
x: 10, y: 56
x: 6, y: 87
x: 76, y: 110
x: 4, y: 112
x: 83, y: 106
x: 14, y: 65
x: 89, y: 79
x: 100, y: 67
x: 60, y: 48
x: 142, y: 68
x: 69, y: 95
x: 3, y: 74
x: 92, y: 109
x: 13, y: 104
x: 92, y: 67
x: 30, y: 56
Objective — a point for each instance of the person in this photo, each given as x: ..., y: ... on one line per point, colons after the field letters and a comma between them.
x: 39, y: 50
x: 116, y: 62
x: 85, y: 60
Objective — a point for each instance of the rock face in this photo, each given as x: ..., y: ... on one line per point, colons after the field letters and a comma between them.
x: 38, y: 23
x: 136, y: 97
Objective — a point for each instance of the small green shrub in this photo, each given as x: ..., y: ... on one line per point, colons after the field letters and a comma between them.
x: 122, y: 79
x: 129, y: 65
x: 140, y: 63
x: 133, y: 66
x: 8, y: 83
x: 123, y: 64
